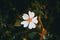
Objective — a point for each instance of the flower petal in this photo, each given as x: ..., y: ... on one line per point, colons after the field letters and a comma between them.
x: 25, y: 23
x: 34, y: 20
x: 31, y: 25
x: 31, y: 14
x: 25, y: 16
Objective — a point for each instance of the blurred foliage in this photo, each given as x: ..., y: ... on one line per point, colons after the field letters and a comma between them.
x: 10, y: 18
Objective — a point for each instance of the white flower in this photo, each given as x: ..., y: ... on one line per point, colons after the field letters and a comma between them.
x: 30, y: 20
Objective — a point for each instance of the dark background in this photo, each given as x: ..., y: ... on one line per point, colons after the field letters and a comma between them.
x: 11, y: 8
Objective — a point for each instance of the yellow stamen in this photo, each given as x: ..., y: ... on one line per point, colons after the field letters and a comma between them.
x: 29, y: 19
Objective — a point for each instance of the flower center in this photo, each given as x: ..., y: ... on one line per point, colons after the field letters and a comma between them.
x: 29, y: 19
